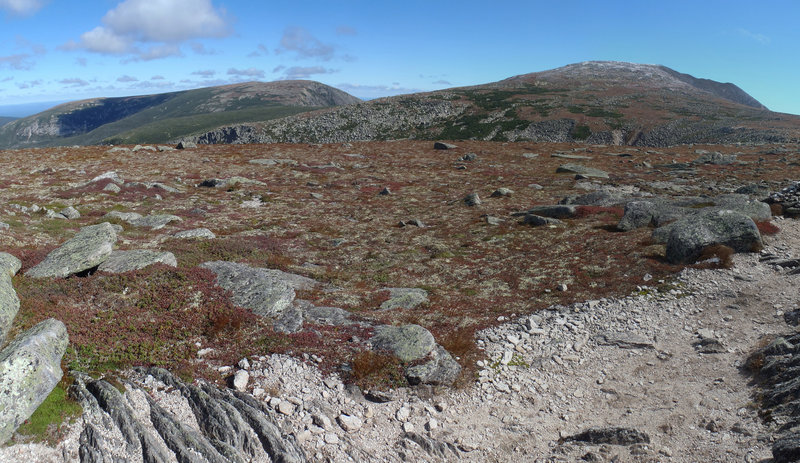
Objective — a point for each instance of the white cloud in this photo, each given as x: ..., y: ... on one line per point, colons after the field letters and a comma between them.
x: 21, y: 7
x: 157, y: 77
x: 251, y: 72
x: 29, y: 84
x: 299, y: 41
x: 127, y: 78
x: 760, y: 38
x: 165, y: 23
x: 206, y: 73
x: 261, y: 50
x: 442, y: 82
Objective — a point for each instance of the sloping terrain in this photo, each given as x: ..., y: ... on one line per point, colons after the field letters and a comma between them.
x: 594, y: 102
x: 161, y: 117
x: 5, y: 120
x: 364, y: 219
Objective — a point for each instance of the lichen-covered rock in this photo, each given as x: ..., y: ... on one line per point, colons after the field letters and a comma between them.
x: 689, y: 236
x: 196, y: 233
x: 408, y: 342
x: 405, y: 298
x: 126, y: 261
x: 441, y: 370
x: 263, y: 291
x: 153, y: 221
x: 9, y: 302
x: 556, y: 211
x: 86, y: 250
x: 30, y: 367
x: 637, y: 214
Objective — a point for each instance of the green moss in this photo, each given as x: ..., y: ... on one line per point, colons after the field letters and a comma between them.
x: 580, y: 132
x: 57, y: 408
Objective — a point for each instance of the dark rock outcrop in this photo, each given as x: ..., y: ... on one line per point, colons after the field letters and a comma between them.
x: 689, y: 236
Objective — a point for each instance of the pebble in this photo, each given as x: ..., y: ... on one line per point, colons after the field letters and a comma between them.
x: 240, y: 380
x: 286, y: 408
x: 350, y: 423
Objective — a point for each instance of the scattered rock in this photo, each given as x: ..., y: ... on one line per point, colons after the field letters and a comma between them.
x: 443, y: 146
x: 472, y: 199
x: 405, y: 298
x: 581, y: 170
x: 610, y: 436
x: 408, y: 342
x: 260, y: 290
x: 468, y: 157
x: 183, y: 145
x: 127, y: 261
x: 195, y: 233
x: 240, y: 380
x: 349, y: 423
x: 502, y: 193
x: 89, y: 248
x: 688, y: 237
x: 9, y: 302
x: 623, y: 340
x: 538, y: 221
x: 559, y: 211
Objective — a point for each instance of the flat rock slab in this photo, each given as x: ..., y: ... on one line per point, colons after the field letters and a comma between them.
x: 30, y: 367
x: 126, y: 261
x: 153, y: 221
x: 86, y: 250
x: 581, y: 170
x: 196, y: 233
x: 9, y: 264
x: 556, y: 211
x: 405, y: 298
x: 264, y: 291
x: 611, y: 436
x: 408, y: 342
x: 9, y: 302
x: 273, y: 162
x: 624, y: 340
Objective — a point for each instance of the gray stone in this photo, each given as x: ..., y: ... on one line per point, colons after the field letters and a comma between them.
x: 445, y: 451
x: 89, y: 248
x: 153, y: 221
x: 623, y: 340
x: 715, y: 158
x: 637, y: 214
x: 688, y: 237
x: 9, y: 302
x: 405, y: 298
x: 443, y: 146
x: 229, y: 182
x: 273, y: 162
x: 558, y: 211
x: 610, y: 436
x: 472, y: 199
x: 240, y: 380
x: 468, y: 157
x: 71, y: 213
x: 9, y: 264
x: 442, y: 370
x: 327, y: 316
x: 349, y: 423
x: 263, y: 291
x: 126, y: 261
x: 30, y: 367
x: 182, y: 145
x: 290, y: 320
x: 538, y: 221
x: 408, y: 342
x: 501, y: 193
x: 113, y: 188
x: 581, y: 170
x: 196, y: 233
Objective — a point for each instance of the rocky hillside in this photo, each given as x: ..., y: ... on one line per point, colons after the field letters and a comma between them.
x: 157, y: 118
x: 594, y: 102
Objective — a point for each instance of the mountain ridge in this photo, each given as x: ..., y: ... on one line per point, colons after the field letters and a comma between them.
x: 163, y: 116
x: 603, y: 102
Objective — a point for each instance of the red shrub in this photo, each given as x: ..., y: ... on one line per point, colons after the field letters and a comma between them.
x: 767, y: 228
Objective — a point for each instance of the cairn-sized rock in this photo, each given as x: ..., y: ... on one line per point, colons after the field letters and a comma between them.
x: 86, y: 250
x: 689, y: 236
x: 411, y: 343
x: 9, y: 302
x: 30, y: 367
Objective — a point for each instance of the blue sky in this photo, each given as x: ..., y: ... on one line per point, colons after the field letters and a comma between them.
x: 58, y: 50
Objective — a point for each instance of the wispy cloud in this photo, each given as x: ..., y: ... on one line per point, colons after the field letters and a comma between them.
x: 29, y: 84
x: 128, y: 28
x: 201, y: 49
x: 299, y: 41
x: 18, y: 62
x: 127, y: 78
x: 442, y: 82
x: 74, y: 82
x: 760, y: 38
x: 346, y: 30
x: 21, y: 7
x: 251, y: 72
x: 302, y: 72
x: 205, y: 73
x: 261, y: 50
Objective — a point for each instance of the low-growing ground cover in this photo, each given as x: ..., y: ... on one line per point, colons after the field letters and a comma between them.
x: 324, y: 217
